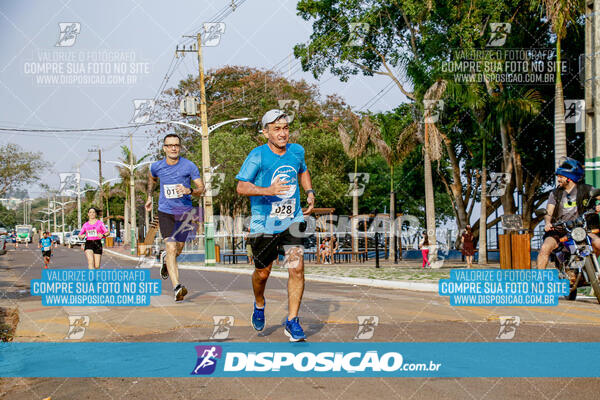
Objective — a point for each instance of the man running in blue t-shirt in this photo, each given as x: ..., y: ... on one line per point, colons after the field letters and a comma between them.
x: 270, y: 176
x: 46, y: 246
x: 176, y: 216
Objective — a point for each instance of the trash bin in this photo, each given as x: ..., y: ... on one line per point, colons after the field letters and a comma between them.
x: 218, y: 253
x: 110, y: 241
x: 515, y: 251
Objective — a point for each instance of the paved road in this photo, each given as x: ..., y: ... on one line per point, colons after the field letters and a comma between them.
x: 329, y: 313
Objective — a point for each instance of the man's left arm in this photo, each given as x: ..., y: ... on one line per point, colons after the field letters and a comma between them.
x: 306, y: 183
x: 199, y: 187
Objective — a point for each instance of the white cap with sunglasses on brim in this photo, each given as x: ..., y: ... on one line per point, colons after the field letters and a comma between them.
x: 272, y: 116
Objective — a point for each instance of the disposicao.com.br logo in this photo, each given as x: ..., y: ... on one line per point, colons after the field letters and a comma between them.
x: 369, y: 361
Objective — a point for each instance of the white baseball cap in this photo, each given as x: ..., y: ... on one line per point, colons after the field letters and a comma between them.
x: 273, y: 115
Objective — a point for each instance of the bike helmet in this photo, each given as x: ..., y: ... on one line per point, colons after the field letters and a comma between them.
x: 571, y: 168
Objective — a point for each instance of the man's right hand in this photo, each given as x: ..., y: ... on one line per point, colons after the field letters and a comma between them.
x: 278, y: 187
x: 148, y: 204
x: 548, y: 227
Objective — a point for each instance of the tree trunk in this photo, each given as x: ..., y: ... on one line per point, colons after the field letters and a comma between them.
x: 429, y: 204
x: 355, y: 208
x: 560, y: 133
x: 483, y: 219
x: 392, y: 216
x: 507, y: 167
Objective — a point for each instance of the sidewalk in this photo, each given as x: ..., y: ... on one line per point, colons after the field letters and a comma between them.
x: 407, y: 274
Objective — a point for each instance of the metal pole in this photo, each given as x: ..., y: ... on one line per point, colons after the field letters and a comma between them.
x: 54, y: 211
x: 78, y: 198
x: 62, y: 235
x: 209, y: 229
x: 132, y: 196
x: 100, y: 180
x: 376, y: 249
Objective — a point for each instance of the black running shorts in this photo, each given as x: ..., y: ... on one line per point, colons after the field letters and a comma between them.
x: 47, y: 253
x: 177, y: 227
x: 266, y: 247
x: 94, y: 245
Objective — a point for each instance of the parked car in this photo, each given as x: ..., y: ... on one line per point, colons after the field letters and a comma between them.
x: 67, y: 238
x: 74, y: 240
x: 3, y: 231
x: 55, y: 238
x: 2, y: 245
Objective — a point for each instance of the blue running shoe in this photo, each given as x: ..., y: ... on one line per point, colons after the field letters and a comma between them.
x: 258, y: 317
x: 294, y: 331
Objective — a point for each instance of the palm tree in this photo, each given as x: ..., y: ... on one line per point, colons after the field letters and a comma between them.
x: 509, y: 106
x: 432, y: 151
x: 560, y: 13
x: 394, y: 146
x: 363, y: 130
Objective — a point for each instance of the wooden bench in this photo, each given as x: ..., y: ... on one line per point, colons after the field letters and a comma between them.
x: 348, y: 256
x: 234, y: 257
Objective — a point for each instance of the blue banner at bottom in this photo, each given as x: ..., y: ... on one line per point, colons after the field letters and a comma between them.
x: 299, y: 359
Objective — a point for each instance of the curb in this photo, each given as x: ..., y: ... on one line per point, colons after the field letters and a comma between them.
x: 379, y: 283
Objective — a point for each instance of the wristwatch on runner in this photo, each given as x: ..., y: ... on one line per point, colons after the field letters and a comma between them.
x: 311, y: 191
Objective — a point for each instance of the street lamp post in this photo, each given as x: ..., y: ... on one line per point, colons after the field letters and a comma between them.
x: 50, y: 211
x: 62, y: 212
x: 42, y: 222
x: 131, y: 167
x: 99, y: 187
x: 79, y: 193
x: 209, y: 226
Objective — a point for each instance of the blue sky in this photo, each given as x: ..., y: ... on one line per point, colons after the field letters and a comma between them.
x: 258, y: 33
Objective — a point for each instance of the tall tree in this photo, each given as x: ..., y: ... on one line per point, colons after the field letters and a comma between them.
x: 354, y: 146
x: 560, y: 13
x: 18, y: 167
x: 395, y: 140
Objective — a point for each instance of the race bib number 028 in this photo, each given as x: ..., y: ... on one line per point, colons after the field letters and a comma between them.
x: 171, y: 192
x: 283, y: 209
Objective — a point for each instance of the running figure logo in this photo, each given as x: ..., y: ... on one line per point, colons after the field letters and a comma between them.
x: 77, y: 325
x: 68, y: 33
x: 142, y: 111
x: 207, y: 359
x: 223, y: 324
x: 211, y: 36
x: 290, y: 107
x: 213, y: 183
x: 366, y: 326
x: 68, y: 184
x: 574, y: 114
x: 432, y: 110
x: 499, y: 33
x: 362, y: 178
x: 358, y: 32
x: 499, y: 181
x: 508, y: 327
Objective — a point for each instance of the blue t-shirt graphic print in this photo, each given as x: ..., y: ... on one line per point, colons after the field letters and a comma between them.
x: 274, y: 214
x: 46, y: 244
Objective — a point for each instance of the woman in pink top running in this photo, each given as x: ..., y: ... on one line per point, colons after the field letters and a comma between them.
x: 93, y: 231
